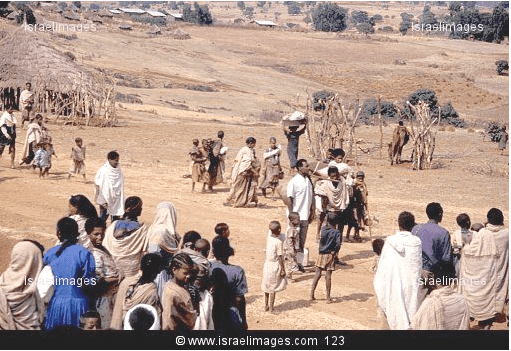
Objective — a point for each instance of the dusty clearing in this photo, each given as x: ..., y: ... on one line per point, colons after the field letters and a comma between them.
x: 253, y: 71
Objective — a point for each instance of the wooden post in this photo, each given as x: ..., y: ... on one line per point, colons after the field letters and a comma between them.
x: 381, y: 126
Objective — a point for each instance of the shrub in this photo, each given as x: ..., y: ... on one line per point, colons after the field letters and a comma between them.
x: 241, y: 5
x: 386, y: 29
x: 493, y: 130
x: 378, y: 18
x: 320, y: 95
x: 365, y: 28
x: 426, y: 95
x: 449, y: 115
x: 370, y: 109
x: 294, y: 9
x: 329, y: 17
x: 502, y: 65
x: 359, y: 17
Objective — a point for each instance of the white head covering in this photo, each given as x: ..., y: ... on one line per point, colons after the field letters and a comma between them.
x: 18, y: 283
x: 148, y: 308
x: 163, y: 230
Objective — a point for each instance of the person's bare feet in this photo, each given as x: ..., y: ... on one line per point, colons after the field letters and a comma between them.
x: 312, y: 299
x: 329, y: 300
x: 266, y: 308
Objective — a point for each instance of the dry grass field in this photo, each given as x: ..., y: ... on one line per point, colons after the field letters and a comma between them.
x: 251, y: 73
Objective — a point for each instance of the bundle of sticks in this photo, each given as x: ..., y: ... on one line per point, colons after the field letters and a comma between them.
x: 423, y: 134
x: 333, y: 127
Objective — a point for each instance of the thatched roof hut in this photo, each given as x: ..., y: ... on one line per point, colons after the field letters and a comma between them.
x: 105, y: 13
x: 61, y: 87
x: 97, y: 19
x: 12, y: 16
x: 125, y: 26
x: 155, y: 30
x: 70, y: 15
x: 180, y: 34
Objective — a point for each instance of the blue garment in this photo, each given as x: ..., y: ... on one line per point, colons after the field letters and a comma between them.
x: 292, y: 146
x: 330, y: 241
x: 236, y: 279
x: 436, y: 248
x: 73, y: 269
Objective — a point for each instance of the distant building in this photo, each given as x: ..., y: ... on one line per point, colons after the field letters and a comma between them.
x: 264, y: 23
x: 156, y: 13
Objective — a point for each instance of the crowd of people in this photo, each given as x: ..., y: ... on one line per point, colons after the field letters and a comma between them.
x: 127, y: 275
x: 428, y: 279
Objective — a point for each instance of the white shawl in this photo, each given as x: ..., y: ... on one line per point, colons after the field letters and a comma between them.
x: 111, y: 188
x: 242, y: 162
x: 484, y: 272
x: 396, y: 282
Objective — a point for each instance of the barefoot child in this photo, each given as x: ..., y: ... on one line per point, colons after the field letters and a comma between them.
x: 78, y: 157
x: 329, y: 244
x: 178, y: 312
x: 106, y: 270
x: 460, y: 238
x: 271, y: 170
x: 274, y: 273
x: 199, y: 157
x: 42, y: 160
x: 291, y: 245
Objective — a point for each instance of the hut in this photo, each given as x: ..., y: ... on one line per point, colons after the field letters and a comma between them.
x: 97, y: 19
x: 70, y: 15
x: 155, y: 30
x: 180, y: 34
x: 105, y: 13
x: 61, y: 87
x: 13, y: 16
x: 125, y: 26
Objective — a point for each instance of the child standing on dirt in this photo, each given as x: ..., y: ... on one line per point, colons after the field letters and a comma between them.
x: 78, y: 157
x: 271, y: 171
x: 329, y: 245
x: 377, y: 247
x: 460, y: 238
x: 359, y: 205
x: 291, y: 244
x: 274, y: 272
x: 199, y: 158
x: 42, y: 159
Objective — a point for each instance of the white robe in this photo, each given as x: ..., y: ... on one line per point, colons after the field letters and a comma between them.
x: 396, y: 282
x: 484, y: 272
x: 111, y: 188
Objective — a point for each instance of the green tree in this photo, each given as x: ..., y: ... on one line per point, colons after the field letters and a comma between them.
x: 329, y: 17
x: 241, y: 5
x: 500, y: 20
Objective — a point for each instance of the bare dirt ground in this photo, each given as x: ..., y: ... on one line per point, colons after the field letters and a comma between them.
x: 252, y: 73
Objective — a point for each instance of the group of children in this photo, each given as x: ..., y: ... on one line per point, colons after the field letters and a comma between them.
x: 281, y: 257
x: 208, y: 164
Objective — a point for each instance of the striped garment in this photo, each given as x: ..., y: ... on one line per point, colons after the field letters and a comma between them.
x: 443, y: 309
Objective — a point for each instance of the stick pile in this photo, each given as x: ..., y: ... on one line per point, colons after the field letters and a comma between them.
x: 423, y: 135
x: 332, y: 127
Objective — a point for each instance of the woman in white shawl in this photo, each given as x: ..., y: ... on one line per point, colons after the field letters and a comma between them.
x: 164, y: 239
x: 244, y: 176
x: 35, y: 134
x: 20, y: 306
x: 126, y: 239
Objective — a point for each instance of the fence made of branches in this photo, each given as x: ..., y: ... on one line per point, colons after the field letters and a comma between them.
x: 87, y: 102
x: 333, y: 126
